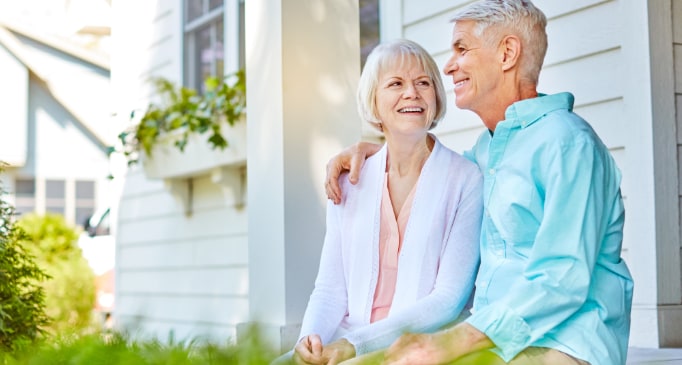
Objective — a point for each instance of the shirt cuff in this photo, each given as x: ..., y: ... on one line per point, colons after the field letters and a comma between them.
x: 509, y: 332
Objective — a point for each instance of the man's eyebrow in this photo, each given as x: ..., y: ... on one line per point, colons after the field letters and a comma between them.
x: 458, y: 42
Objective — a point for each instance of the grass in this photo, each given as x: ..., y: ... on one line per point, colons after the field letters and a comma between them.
x: 119, y: 349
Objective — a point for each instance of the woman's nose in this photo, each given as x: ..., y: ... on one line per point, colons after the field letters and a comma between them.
x: 410, y: 92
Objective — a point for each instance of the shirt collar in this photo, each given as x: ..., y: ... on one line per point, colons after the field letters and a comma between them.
x: 526, y: 112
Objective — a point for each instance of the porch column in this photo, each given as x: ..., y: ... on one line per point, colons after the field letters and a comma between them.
x: 302, y: 65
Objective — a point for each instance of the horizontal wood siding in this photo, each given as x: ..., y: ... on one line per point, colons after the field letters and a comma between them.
x: 176, y: 273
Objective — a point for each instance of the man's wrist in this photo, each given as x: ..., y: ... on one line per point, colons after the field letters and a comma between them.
x: 464, y: 339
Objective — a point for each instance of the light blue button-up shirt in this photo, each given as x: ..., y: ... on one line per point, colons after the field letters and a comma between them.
x: 551, y: 274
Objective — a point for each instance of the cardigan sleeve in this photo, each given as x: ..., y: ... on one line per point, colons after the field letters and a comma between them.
x: 454, y: 282
x: 328, y: 302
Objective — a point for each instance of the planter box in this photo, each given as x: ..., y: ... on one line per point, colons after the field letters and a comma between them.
x: 198, y: 158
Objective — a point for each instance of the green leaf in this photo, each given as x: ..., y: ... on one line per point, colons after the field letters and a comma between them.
x: 183, y: 109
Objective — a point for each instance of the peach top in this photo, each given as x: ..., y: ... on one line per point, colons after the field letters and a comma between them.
x: 391, y: 233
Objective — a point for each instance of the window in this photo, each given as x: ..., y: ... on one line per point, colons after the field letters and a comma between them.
x: 25, y: 196
x: 369, y: 27
x: 214, y: 39
x: 85, y: 201
x: 204, y: 41
x: 75, y: 200
x: 55, y: 196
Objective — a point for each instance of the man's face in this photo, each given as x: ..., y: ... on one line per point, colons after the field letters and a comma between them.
x: 474, y: 67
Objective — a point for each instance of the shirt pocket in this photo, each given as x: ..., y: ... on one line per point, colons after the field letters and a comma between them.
x: 516, y: 209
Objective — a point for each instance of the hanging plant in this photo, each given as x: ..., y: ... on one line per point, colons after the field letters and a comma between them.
x: 182, y: 112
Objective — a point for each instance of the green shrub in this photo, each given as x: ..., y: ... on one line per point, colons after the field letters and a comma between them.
x: 22, y: 303
x: 118, y: 349
x: 70, y: 293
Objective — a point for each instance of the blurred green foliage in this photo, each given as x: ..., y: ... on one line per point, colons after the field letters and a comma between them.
x: 183, y: 111
x: 70, y: 292
x: 119, y: 349
x: 22, y: 302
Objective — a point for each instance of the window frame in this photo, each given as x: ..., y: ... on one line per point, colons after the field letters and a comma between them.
x: 232, y: 16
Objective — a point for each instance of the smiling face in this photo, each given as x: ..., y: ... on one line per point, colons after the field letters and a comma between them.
x: 474, y: 68
x: 405, y: 98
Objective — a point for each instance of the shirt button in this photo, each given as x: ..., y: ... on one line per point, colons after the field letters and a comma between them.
x: 491, y: 171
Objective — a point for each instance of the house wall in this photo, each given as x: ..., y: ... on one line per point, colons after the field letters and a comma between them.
x: 596, y: 52
x: 14, y: 93
x: 43, y: 136
x: 672, y: 324
x: 182, y: 259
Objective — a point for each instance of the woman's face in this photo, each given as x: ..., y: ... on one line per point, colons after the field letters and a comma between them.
x: 405, y: 99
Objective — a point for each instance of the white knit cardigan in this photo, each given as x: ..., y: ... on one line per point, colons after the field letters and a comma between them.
x: 437, y: 264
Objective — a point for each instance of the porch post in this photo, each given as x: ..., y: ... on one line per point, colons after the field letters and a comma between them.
x: 302, y: 65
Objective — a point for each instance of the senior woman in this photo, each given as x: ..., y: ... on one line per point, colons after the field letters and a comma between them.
x: 402, y: 248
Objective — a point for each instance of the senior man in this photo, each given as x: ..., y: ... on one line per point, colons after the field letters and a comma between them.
x: 552, y: 287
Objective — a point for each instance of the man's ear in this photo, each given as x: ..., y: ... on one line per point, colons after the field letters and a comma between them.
x: 510, y: 48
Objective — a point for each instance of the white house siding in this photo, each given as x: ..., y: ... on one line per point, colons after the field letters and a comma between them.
x: 598, y: 50
x: 176, y: 272
x: 46, y: 134
x: 676, y: 15
x: 14, y: 93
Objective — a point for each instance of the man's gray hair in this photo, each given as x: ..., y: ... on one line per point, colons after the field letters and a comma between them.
x: 518, y: 16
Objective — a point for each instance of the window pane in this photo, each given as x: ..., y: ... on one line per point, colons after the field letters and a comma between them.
x: 55, y: 189
x: 204, y: 45
x: 219, y: 50
x: 24, y: 206
x: 214, y: 4
x: 85, y: 190
x: 369, y: 27
x: 188, y: 56
x: 204, y: 56
x: 83, y: 214
x: 53, y: 207
x: 242, y: 52
x: 25, y: 187
x: 193, y: 9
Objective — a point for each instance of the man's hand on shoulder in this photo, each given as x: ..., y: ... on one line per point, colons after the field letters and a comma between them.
x: 350, y: 159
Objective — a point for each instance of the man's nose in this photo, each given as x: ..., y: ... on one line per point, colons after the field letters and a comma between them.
x: 451, y: 66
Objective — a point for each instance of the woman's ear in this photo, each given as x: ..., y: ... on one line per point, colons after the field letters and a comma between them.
x: 510, y: 48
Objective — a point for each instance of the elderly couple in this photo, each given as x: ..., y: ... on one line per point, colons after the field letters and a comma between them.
x: 531, y: 216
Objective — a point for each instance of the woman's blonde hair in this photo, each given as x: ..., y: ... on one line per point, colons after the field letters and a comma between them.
x: 397, y: 52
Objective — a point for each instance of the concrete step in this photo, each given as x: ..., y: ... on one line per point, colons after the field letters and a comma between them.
x: 643, y: 356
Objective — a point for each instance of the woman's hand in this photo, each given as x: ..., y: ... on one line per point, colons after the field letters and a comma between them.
x: 338, y: 351
x: 310, y: 351
x: 350, y: 159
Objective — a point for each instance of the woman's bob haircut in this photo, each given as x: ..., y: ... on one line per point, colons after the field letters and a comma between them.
x: 399, y: 52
